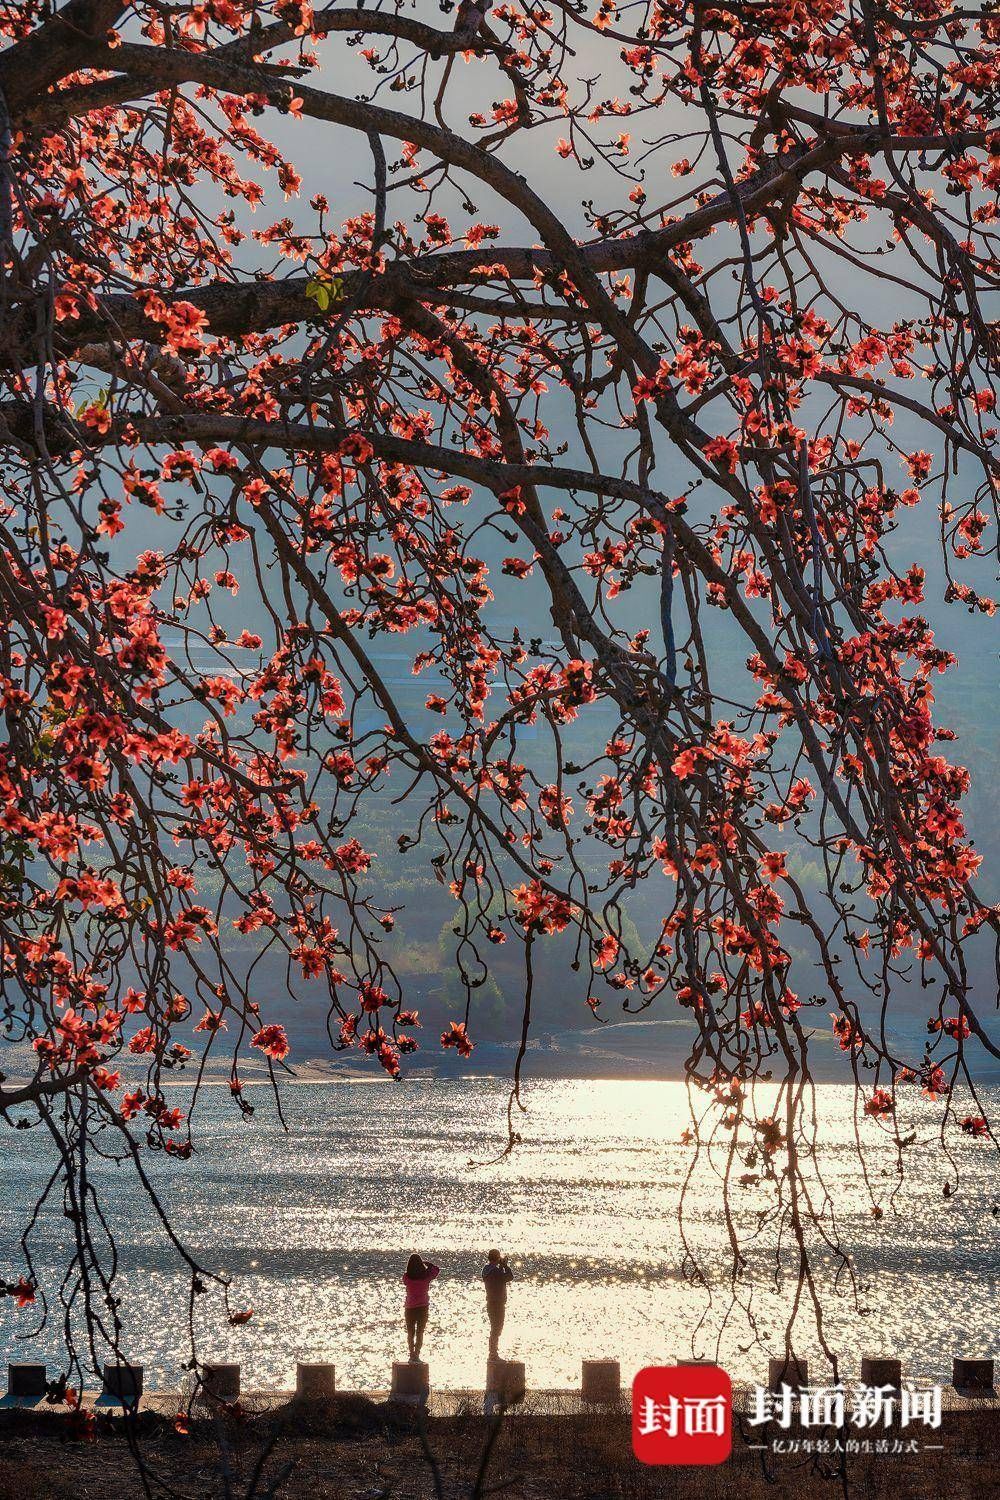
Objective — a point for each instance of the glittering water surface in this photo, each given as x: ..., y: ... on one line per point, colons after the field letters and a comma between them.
x: 315, y: 1226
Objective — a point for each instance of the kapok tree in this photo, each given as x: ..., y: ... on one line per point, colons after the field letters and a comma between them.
x: 693, y: 312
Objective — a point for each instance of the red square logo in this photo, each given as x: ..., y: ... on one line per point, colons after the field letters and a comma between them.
x: 682, y: 1414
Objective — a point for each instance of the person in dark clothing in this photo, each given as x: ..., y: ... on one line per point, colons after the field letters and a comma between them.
x: 497, y: 1274
x: 417, y: 1280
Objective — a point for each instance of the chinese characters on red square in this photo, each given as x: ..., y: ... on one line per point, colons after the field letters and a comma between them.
x: 682, y: 1414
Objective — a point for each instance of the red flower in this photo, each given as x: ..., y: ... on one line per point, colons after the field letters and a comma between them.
x: 23, y: 1291
x: 272, y: 1041
x: 880, y: 1104
x: 372, y: 996
x: 457, y: 1037
x: 724, y: 452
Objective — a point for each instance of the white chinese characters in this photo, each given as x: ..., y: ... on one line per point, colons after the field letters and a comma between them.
x: 830, y: 1406
x: 692, y: 1416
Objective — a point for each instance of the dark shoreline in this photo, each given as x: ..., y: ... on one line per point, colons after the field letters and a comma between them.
x: 354, y: 1448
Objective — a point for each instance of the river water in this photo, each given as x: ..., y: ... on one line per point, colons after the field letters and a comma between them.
x: 315, y: 1225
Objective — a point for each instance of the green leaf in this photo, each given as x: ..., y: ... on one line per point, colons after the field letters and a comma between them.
x: 324, y: 291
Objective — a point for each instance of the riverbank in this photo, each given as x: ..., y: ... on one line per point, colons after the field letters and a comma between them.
x: 352, y: 1448
x: 637, y: 1048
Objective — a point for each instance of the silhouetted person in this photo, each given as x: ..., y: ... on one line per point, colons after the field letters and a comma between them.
x: 496, y: 1276
x: 417, y: 1280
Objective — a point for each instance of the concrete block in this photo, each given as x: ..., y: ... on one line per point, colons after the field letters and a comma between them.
x: 221, y: 1382
x: 601, y: 1380
x: 410, y: 1380
x: 123, y: 1383
x: 880, y: 1371
x: 505, y: 1379
x: 974, y: 1375
x: 315, y: 1382
x: 787, y: 1371
x: 27, y: 1382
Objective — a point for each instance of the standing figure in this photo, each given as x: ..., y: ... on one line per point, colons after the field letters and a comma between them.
x: 496, y: 1276
x: 417, y: 1280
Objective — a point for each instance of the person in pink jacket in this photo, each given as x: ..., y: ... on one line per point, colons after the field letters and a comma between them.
x: 417, y: 1280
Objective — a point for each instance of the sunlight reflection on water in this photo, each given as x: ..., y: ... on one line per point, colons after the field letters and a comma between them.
x: 315, y: 1227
